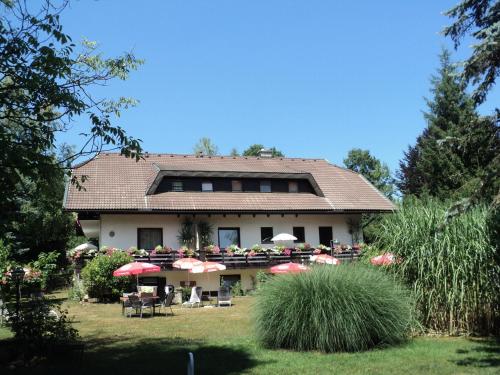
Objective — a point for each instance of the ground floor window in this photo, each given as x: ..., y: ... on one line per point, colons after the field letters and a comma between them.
x: 300, y: 233
x: 149, y: 238
x: 229, y: 280
x: 325, y: 235
x: 228, y: 237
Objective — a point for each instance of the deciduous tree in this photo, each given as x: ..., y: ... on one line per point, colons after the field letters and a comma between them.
x: 378, y: 173
x: 254, y: 150
x: 206, y: 146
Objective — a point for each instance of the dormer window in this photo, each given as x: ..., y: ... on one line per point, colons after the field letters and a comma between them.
x: 207, y: 186
x: 293, y: 187
x: 236, y: 185
x: 177, y: 186
x: 265, y: 186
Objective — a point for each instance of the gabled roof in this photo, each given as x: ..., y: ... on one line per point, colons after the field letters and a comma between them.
x: 116, y: 183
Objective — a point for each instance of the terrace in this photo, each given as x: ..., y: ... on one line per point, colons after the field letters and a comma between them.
x: 258, y: 260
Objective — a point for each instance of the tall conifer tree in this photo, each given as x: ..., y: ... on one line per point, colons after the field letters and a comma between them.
x: 438, y: 163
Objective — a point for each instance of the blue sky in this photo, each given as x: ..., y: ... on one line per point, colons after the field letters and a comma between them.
x: 313, y: 78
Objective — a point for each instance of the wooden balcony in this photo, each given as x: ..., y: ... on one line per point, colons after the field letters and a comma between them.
x: 260, y: 260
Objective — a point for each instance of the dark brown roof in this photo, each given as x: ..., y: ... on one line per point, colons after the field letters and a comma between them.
x: 116, y: 183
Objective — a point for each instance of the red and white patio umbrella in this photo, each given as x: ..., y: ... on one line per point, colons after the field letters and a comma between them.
x: 383, y: 260
x: 324, y: 259
x: 208, y: 267
x: 288, y: 268
x: 186, y: 263
x: 136, y: 268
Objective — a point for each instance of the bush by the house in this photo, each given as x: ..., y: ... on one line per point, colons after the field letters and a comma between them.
x: 237, y: 289
x: 453, y: 267
x: 98, y: 276
x: 46, y: 264
x: 341, y: 308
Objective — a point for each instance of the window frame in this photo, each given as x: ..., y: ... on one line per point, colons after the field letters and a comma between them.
x: 262, y: 238
x: 181, y: 186
x: 319, y: 235
x: 265, y: 182
x: 154, y: 228
x: 232, y: 186
x: 294, y: 183
x: 206, y: 183
x: 229, y: 228
x: 299, y: 240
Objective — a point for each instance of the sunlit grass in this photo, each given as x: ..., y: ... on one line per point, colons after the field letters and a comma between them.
x: 222, y: 340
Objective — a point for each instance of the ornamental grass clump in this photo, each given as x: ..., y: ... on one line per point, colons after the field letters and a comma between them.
x: 452, y: 266
x: 332, y: 309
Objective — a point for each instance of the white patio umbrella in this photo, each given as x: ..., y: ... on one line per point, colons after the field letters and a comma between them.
x: 283, y: 237
x: 86, y: 246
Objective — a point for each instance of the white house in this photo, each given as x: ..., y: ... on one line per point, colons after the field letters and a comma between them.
x: 244, y: 200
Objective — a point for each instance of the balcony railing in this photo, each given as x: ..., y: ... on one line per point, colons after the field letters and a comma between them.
x: 259, y: 260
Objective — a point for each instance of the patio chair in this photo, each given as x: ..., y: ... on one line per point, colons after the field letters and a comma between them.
x: 224, y: 296
x: 195, y: 298
x: 126, y: 304
x: 132, y: 304
x: 147, y: 303
x: 166, y: 303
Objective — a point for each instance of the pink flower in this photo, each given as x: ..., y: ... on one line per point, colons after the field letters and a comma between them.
x: 317, y: 251
x: 251, y: 253
x: 287, y: 252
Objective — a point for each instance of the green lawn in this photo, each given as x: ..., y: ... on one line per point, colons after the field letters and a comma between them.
x: 223, y: 343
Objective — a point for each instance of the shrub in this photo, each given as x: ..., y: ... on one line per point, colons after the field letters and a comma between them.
x: 98, y: 276
x: 262, y: 277
x: 41, y: 326
x: 186, y: 293
x: 453, y: 267
x: 237, y: 290
x: 47, y: 265
x: 341, y: 308
x: 77, y: 290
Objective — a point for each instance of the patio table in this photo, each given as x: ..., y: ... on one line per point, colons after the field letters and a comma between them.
x: 154, y: 298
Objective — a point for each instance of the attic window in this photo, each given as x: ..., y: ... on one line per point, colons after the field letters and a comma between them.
x: 293, y: 187
x: 177, y: 186
x: 265, y: 186
x: 207, y: 186
x: 236, y: 185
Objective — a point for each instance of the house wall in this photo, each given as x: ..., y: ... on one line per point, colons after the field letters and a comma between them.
x: 209, y: 281
x: 125, y: 227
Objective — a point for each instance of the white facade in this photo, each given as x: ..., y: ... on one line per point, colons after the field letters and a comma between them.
x: 120, y: 230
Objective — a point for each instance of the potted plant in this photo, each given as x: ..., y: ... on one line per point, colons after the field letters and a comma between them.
x: 303, y: 247
x: 212, y: 249
x: 323, y: 248
x: 233, y: 249
x: 161, y: 250
x: 257, y: 249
